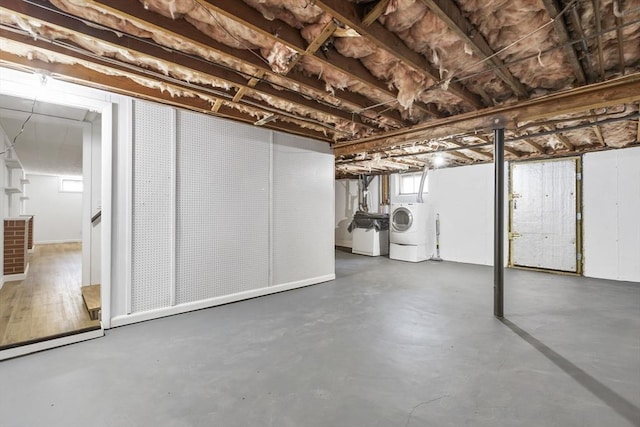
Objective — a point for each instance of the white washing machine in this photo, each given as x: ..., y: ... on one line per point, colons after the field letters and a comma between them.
x: 408, y: 233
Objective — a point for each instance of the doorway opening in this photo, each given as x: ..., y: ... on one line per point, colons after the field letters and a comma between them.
x: 57, y: 161
x: 51, y: 152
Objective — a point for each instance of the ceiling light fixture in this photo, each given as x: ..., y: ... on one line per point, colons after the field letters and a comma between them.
x: 438, y: 160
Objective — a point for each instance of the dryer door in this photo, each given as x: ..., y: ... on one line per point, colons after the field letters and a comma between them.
x: 402, y: 219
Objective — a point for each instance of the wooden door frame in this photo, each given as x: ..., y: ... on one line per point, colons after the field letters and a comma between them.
x: 578, y: 216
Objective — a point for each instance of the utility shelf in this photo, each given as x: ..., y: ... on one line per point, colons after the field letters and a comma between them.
x: 12, y: 164
x: 12, y: 190
x: 25, y: 181
x: 24, y: 198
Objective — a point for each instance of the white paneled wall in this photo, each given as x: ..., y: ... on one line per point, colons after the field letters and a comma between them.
x: 222, y: 235
x: 463, y: 197
x: 153, y: 205
x: 611, y: 210
x: 222, y: 212
x: 303, y: 209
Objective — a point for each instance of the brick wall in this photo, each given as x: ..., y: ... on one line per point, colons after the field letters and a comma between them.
x: 30, y: 234
x: 15, y: 246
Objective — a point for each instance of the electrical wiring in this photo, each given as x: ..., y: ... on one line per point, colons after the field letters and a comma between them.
x: 22, y: 127
x: 229, y: 33
x: 248, y: 76
x: 460, y: 76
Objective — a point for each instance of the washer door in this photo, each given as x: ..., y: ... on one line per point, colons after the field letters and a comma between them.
x: 402, y: 219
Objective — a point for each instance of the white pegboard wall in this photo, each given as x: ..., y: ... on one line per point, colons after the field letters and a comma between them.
x: 222, y: 224
x: 303, y: 209
x: 152, y: 241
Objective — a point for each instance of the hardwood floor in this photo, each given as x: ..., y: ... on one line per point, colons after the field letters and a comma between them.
x: 48, y: 303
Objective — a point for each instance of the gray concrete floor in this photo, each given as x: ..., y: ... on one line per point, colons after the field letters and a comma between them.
x: 386, y: 344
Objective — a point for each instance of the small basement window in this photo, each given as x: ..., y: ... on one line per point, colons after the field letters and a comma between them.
x: 410, y: 183
x: 71, y: 185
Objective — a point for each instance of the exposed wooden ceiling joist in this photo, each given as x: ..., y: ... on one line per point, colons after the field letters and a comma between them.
x: 289, y: 36
x: 451, y: 14
x: 620, y: 36
x: 179, y: 28
x: 539, y: 148
x: 553, y: 8
x: 140, y: 48
x: 618, y: 91
x: 483, y: 154
x: 564, y: 140
x: 375, y: 12
x: 598, y: 20
x: 127, y: 86
x: 349, y: 14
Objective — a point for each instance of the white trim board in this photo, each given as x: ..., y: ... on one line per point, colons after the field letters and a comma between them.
x: 23, y: 350
x: 212, y: 302
x: 54, y: 242
x: 344, y: 243
x: 16, y: 277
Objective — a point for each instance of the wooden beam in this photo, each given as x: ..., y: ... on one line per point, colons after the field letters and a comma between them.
x: 553, y: 9
x: 315, y: 44
x: 375, y: 12
x: 539, y: 148
x: 622, y: 90
x: 481, y: 153
x: 253, y: 81
x: 563, y: 139
x: 461, y: 156
x: 596, y: 16
x: 140, y: 48
x: 619, y: 24
x: 451, y: 14
x: 348, y: 13
x: 124, y: 85
x: 216, y: 106
x: 182, y: 30
x: 246, y: 15
x: 598, y: 132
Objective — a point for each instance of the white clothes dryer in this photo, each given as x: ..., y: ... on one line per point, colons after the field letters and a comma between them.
x: 408, y: 232
x: 408, y: 225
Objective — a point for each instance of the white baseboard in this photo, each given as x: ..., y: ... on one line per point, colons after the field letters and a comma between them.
x: 344, y: 243
x: 212, y: 302
x: 15, y: 277
x: 23, y: 350
x: 53, y: 242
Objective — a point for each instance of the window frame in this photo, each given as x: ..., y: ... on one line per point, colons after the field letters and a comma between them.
x: 70, y: 179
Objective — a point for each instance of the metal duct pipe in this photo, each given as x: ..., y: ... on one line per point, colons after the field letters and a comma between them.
x: 425, y: 171
x: 385, y: 194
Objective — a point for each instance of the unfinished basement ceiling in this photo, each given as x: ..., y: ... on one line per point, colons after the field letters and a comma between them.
x: 389, y: 83
x: 50, y: 141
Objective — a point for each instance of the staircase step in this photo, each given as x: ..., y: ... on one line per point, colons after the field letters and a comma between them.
x: 91, y: 296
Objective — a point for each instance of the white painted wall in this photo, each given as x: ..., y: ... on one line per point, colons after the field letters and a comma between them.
x: 346, y: 201
x: 58, y: 216
x: 346, y: 206
x: 463, y: 197
x: 223, y: 211
x: 91, y: 201
x: 611, y: 203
